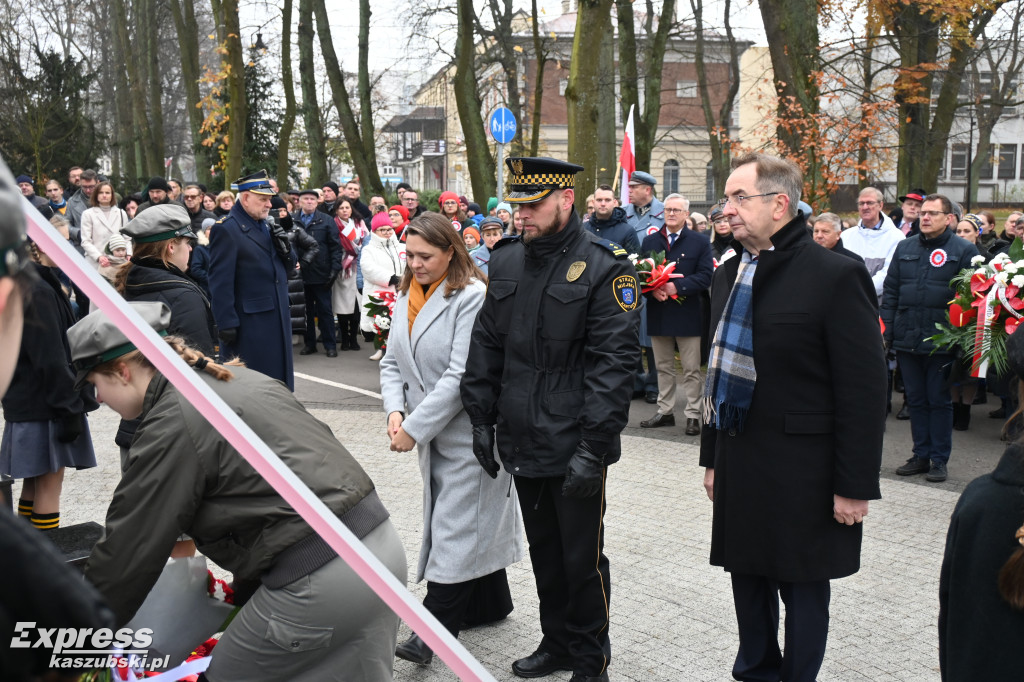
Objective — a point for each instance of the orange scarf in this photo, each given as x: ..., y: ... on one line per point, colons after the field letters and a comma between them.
x: 417, y: 298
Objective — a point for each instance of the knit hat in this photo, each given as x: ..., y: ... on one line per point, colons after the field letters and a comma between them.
x: 446, y: 196
x: 464, y: 200
x: 473, y: 231
x: 158, y: 182
x: 22, y: 178
x: 208, y: 223
x: 380, y: 220
x: 116, y: 241
x: 975, y: 220
x: 503, y: 206
x: 402, y: 210
x: 474, y: 207
x: 332, y: 185
x: 492, y: 204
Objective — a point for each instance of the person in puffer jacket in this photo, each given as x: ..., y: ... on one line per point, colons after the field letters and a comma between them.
x: 915, y: 297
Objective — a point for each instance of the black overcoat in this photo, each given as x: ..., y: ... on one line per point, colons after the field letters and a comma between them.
x: 814, y: 428
x: 979, y: 633
x: 692, y: 255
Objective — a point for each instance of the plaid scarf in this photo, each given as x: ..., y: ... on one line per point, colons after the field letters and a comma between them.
x: 729, y: 388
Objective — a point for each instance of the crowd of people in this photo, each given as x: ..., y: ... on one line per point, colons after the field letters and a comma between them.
x: 519, y: 336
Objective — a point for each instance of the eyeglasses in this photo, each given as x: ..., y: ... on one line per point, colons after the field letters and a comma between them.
x: 737, y: 200
x: 867, y: 203
x: 385, y: 229
x: 934, y: 214
x: 673, y: 211
x: 191, y: 196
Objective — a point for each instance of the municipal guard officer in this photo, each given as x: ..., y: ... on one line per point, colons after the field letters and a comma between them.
x: 551, y: 366
x: 250, y: 258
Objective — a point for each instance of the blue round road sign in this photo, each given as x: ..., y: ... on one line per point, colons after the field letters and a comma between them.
x: 502, y: 125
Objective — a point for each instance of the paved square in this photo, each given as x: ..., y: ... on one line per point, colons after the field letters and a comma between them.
x: 672, y: 614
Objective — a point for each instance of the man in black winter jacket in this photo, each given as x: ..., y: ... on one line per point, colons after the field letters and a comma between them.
x: 916, y: 296
x: 609, y: 221
x: 319, y: 273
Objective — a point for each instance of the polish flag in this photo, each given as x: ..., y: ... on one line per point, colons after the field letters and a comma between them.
x: 627, y: 159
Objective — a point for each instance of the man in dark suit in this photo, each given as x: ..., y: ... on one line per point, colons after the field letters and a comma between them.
x: 788, y: 465
x: 827, y: 229
x: 673, y: 311
x: 250, y: 259
x: 907, y: 216
x: 318, y: 275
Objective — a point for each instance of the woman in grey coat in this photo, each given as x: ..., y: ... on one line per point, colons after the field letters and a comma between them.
x: 472, y: 528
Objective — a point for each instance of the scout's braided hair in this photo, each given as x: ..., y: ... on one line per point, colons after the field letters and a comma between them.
x: 190, y: 355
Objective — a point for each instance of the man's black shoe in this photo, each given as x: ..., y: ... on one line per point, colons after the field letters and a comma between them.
x: 307, y: 351
x: 904, y: 413
x: 651, y: 397
x: 639, y: 393
x: 692, y: 427
x: 415, y: 650
x: 937, y: 473
x: 658, y: 420
x: 914, y: 465
x: 999, y: 412
x: 540, y: 664
x: 331, y: 353
x: 583, y: 677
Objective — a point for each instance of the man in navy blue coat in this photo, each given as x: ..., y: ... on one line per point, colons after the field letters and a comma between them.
x: 250, y: 258
x: 674, y: 317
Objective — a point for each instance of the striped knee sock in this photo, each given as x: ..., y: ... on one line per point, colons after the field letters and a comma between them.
x: 46, y: 521
x: 25, y: 507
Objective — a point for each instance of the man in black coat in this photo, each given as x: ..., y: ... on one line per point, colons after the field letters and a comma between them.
x: 827, y: 229
x: 319, y: 273
x: 907, y: 216
x: 193, y: 199
x: 551, y: 365
x: 609, y: 221
x: 674, y: 316
x: 794, y: 416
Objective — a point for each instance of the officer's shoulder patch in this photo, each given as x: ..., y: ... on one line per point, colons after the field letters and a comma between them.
x: 505, y: 241
x: 626, y: 292
x: 616, y: 250
x: 222, y: 219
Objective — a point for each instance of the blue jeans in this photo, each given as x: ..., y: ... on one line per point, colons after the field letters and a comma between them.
x: 925, y: 378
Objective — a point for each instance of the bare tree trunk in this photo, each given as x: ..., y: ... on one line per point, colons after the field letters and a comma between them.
x: 540, y: 59
x: 238, y: 107
x: 152, y: 67
x: 183, y: 12
x: 369, y: 175
x: 288, y: 84
x: 361, y: 147
x: 467, y: 100
x: 716, y: 124
x: 593, y: 19
x: 310, y: 109
x: 141, y: 134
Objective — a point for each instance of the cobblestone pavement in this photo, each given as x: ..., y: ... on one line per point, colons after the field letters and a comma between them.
x: 672, y: 614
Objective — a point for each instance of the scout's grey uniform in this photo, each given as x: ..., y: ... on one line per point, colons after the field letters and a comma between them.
x: 312, y: 618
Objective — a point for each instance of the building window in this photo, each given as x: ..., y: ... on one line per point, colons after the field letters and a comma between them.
x: 563, y: 83
x: 1007, y: 161
x: 710, y: 194
x: 671, y: 183
x: 686, y: 89
x: 958, y: 164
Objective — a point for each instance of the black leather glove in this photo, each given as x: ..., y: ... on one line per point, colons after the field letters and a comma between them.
x: 70, y: 427
x: 282, y: 244
x: 395, y: 279
x: 228, y: 336
x: 585, y: 472
x: 331, y: 279
x: 483, y: 448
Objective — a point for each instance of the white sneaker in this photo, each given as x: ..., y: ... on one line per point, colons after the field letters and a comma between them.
x: 378, y: 355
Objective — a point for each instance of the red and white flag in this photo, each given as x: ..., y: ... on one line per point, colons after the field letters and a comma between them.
x: 627, y: 159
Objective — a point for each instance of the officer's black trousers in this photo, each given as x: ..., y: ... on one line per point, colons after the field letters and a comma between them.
x: 566, y: 537
x: 318, y: 308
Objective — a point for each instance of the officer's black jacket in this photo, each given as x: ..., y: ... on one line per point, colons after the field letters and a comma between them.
x: 554, y: 349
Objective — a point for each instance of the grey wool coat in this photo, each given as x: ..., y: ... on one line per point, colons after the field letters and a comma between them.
x: 472, y: 525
